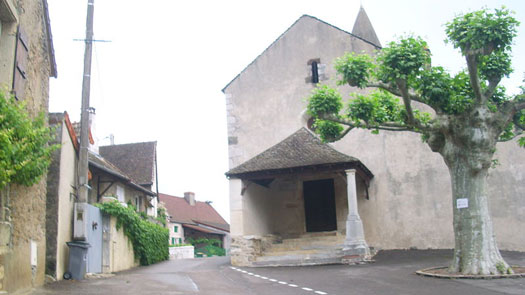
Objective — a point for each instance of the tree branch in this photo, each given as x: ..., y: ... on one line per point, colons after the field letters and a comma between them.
x: 491, y: 88
x: 342, y: 134
x: 520, y: 104
x: 472, y: 65
x: 401, y: 84
x: 390, y: 126
x: 518, y: 124
x: 412, y: 95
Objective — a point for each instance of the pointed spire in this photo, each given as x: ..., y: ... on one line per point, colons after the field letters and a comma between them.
x: 363, y: 28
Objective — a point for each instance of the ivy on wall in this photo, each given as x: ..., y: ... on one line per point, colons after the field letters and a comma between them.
x: 150, y: 241
x: 25, y: 153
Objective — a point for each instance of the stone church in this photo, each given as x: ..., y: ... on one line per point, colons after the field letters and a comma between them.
x: 297, y: 201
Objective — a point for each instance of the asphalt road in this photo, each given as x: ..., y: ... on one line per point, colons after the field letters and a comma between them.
x: 392, y: 273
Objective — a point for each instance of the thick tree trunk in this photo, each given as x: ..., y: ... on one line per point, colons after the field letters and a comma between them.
x: 475, y: 249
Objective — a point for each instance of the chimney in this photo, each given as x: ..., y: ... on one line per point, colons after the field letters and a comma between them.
x: 190, y: 198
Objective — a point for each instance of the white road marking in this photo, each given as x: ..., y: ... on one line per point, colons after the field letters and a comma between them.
x: 280, y: 282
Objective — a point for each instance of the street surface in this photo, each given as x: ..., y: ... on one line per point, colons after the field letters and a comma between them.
x: 392, y: 273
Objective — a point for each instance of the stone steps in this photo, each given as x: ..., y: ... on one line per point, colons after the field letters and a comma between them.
x: 307, y: 243
x: 308, y: 249
x: 300, y: 257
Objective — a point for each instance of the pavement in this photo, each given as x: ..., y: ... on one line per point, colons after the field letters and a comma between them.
x: 391, y: 273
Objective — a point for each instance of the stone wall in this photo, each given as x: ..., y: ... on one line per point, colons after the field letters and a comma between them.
x: 21, y: 269
x: 182, y: 252
x: 60, y: 201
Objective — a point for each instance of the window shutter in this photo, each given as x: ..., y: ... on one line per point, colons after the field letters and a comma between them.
x: 21, y: 56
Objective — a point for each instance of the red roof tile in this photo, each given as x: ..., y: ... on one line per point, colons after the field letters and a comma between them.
x: 182, y: 212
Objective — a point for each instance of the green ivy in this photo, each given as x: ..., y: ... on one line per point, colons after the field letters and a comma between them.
x: 209, y: 247
x: 150, y: 241
x: 25, y: 153
x: 161, y: 216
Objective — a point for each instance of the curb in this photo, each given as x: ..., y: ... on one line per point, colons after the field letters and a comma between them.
x: 427, y: 272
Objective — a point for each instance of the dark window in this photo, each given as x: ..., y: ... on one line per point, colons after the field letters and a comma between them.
x: 315, y: 72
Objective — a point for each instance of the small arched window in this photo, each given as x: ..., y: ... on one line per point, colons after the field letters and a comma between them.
x: 314, y: 75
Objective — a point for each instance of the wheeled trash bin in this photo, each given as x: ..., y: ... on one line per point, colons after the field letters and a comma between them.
x: 77, y: 260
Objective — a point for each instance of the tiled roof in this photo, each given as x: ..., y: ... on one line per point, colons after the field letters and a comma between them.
x: 135, y: 159
x: 182, y: 212
x: 363, y: 28
x: 98, y: 162
x: 301, y: 149
x: 203, y: 229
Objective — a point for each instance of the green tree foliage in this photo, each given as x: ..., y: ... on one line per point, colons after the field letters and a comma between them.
x: 403, y: 69
x: 150, y: 241
x: 24, y: 151
x: 469, y: 113
x: 209, y: 247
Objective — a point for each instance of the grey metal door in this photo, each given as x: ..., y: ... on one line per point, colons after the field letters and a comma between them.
x: 94, y: 238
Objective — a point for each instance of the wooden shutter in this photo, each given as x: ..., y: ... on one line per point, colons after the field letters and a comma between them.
x: 21, y: 56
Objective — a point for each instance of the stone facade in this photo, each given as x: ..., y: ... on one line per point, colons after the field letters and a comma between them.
x: 410, y: 193
x: 22, y: 263
x: 61, y: 184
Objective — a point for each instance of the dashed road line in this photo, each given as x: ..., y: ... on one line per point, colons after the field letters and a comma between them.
x: 280, y: 282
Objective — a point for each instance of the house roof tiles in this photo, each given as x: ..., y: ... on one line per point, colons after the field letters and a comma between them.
x: 301, y: 149
x: 201, y: 213
x: 135, y: 159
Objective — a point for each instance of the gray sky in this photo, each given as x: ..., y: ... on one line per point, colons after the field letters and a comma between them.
x: 161, y: 76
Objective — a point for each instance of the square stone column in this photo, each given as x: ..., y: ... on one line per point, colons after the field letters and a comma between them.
x: 355, y: 243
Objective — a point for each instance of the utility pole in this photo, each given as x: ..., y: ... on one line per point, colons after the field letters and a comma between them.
x: 80, y: 227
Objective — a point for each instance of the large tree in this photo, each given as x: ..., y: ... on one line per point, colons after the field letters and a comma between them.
x: 460, y: 116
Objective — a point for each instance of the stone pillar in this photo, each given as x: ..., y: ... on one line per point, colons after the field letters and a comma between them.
x: 236, y: 208
x: 355, y: 239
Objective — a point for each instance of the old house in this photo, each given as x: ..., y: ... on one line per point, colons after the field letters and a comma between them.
x: 139, y: 161
x: 295, y: 200
x: 26, y: 63
x: 110, y: 249
x: 189, y: 218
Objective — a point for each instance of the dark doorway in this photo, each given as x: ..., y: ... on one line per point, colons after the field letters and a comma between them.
x: 319, y: 205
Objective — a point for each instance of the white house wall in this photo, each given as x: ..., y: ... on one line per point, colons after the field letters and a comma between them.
x: 410, y: 196
x: 66, y: 201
